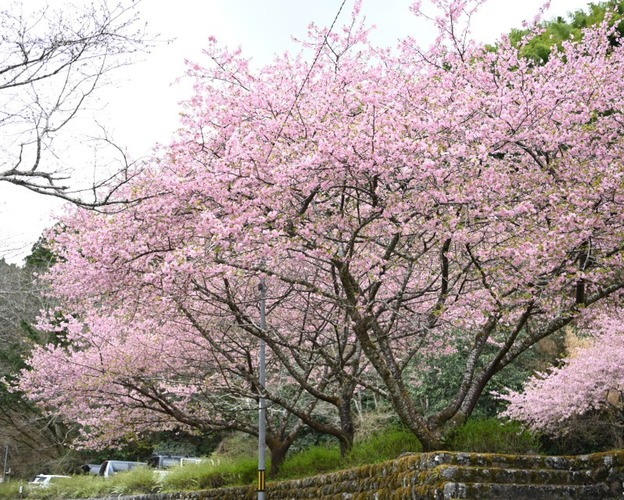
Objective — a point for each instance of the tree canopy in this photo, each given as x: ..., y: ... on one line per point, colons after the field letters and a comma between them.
x: 391, y: 201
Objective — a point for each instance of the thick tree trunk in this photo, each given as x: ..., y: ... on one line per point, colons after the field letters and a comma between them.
x: 346, y: 419
x: 398, y: 395
x: 279, y: 442
x: 278, y: 455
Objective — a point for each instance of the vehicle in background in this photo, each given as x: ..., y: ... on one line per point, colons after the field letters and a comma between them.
x: 44, y: 480
x: 110, y: 467
x: 163, y: 461
x: 167, y: 461
x: 192, y: 460
x: 90, y: 468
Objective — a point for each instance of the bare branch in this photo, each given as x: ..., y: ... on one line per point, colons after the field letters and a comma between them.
x: 51, y: 64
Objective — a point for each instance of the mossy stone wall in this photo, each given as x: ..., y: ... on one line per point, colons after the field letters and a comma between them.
x: 445, y: 475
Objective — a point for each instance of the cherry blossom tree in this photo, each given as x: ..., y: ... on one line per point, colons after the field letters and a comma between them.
x: 591, y: 380
x: 209, y: 378
x: 390, y: 200
x: 27, y: 430
x: 118, y: 379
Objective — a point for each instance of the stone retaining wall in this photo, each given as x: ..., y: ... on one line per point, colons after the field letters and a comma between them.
x: 445, y: 476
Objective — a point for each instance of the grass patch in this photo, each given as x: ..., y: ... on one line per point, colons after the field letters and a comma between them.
x: 59, y: 489
x: 378, y: 447
x: 138, y: 480
x: 312, y: 461
x: 494, y: 436
x: 9, y: 490
x: 211, y: 474
x: 382, y: 446
x: 487, y: 435
x: 77, y: 487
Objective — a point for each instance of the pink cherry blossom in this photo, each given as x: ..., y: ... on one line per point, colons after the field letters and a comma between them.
x: 581, y: 384
x: 393, y: 201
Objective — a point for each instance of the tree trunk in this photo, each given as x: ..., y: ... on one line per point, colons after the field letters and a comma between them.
x: 278, y: 455
x: 346, y: 443
x: 346, y: 419
x: 279, y: 446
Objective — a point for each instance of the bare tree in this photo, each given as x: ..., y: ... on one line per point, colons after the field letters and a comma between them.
x: 34, y: 439
x: 51, y: 64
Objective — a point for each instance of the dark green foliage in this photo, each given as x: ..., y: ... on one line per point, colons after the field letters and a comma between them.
x: 36, y: 441
x: 436, y: 384
x: 178, y: 442
x: 139, y: 448
x: 493, y: 436
x: 133, y: 450
x: 40, y: 258
x: 556, y: 31
x: 309, y: 437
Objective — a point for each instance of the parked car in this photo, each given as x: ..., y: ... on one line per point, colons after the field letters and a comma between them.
x: 44, y: 480
x: 110, y: 467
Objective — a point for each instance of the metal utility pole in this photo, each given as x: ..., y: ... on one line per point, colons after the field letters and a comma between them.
x: 261, y: 403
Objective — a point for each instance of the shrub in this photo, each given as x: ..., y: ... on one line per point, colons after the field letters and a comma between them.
x: 594, y: 431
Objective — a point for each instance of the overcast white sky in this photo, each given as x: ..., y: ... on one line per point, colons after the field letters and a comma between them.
x: 142, y: 109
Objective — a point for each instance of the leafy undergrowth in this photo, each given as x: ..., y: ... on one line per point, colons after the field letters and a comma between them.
x: 491, y: 436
